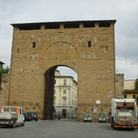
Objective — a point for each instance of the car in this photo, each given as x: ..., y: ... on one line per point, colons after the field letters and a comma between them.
x: 29, y: 116
x: 74, y: 117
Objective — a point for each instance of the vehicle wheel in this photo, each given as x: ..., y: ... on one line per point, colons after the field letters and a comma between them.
x: 23, y: 123
x: 114, y: 125
x: 13, y: 125
x: 111, y: 124
x: 132, y: 129
x: 36, y: 120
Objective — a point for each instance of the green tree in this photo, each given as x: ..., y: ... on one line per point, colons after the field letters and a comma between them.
x: 136, y: 88
x: 3, y: 70
x: 137, y: 99
x: 136, y: 84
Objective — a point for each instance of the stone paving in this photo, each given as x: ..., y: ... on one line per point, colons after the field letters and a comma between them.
x: 65, y: 129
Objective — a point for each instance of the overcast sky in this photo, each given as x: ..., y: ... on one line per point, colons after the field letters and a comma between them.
x: 124, y: 11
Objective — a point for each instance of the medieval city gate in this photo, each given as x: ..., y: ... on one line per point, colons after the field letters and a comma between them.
x: 39, y: 48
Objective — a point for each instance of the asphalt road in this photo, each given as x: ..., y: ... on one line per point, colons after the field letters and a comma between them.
x: 65, y: 129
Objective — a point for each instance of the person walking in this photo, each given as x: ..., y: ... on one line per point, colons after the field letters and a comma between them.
x: 59, y: 117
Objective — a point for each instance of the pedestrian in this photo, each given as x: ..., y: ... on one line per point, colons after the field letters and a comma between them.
x: 59, y: 117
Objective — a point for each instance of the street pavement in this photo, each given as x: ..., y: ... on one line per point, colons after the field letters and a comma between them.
x: 65, y: 129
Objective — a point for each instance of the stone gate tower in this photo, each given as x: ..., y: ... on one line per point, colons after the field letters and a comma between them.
x: 39, y: 48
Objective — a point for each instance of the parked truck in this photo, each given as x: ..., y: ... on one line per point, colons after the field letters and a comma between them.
x: 124, y: 113
x: 11, y: 116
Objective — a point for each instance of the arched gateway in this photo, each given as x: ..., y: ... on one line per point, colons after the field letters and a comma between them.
x: 39, y: 48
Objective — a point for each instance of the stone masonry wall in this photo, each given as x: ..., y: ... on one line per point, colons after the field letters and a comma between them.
x: 86, y: 47
x: 119, y: 86
x: 4, y: 89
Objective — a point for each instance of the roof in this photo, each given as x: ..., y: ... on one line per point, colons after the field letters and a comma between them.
x: 130, y: 91
x: 60, y: 22
x: 64, y: 77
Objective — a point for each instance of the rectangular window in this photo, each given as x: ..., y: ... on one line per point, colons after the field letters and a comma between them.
x: 89, y: 43
x: 6, y: 109
x: 71, y: 25
x: 13, y: 109
x: 29, y: 27
x: 106, y: 48
x: 65, y: 82
x: 134, y: 96
x: 104, y: 24
x: 64, y: 91
x: 33, y: 44
x: 88, y: 25
x: 125, y: 96
x: 64, y: 100
x: 17, y: 50
x: 52, y: 26
x: 54, y: 100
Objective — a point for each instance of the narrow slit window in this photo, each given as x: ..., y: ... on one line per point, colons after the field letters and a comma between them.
x: 89, y: 43
x: 18, y: 50
x: 106, y: 48
x: 34, y: 44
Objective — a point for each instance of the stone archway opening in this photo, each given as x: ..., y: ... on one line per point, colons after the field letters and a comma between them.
x: 54, y: 101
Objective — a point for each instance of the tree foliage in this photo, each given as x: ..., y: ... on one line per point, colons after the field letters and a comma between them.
x: 4, y: 70
x: 136, y: 84
x: 137, y: 99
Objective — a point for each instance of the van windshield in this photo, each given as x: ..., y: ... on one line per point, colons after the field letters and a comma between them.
x: 9, y: 109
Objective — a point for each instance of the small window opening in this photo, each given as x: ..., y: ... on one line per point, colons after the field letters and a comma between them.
x: 17, y: 50
x: 29, y: 27
x: 71, y: 25
x: 104, y: 24
x: 134, y: 96
x: 89, y: 44
x: 106, y: 48
x: 88, y: 25
x: 52, y: 26
x: 125, y: 96
x: 34, y: 44
x: 65, y: 82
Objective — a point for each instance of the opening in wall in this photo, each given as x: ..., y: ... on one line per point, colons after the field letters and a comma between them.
x: 29, y: 27
x: 89, y: 43
x: 71, y: 25
x: 88, y: 25
x: 52, y: 26
x: 104, y: 24
x: 33, y: 44
x: 106, y: 48
x: 17, y: 50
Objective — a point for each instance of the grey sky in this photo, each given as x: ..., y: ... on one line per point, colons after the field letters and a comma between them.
x: 124, y: 11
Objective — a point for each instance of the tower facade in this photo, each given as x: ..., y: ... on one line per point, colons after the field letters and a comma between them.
x: 87, y: 47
